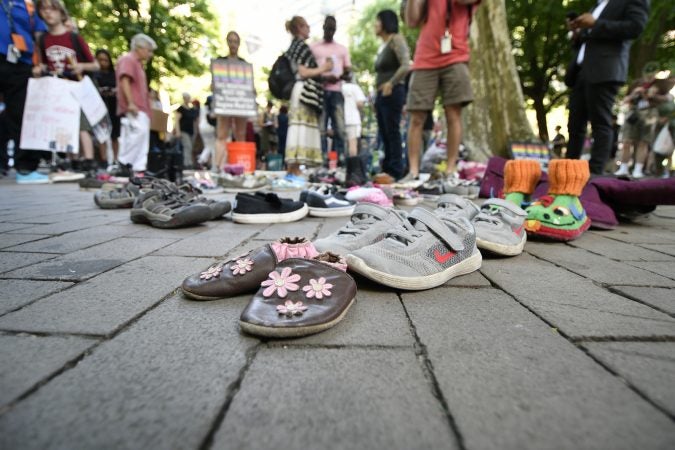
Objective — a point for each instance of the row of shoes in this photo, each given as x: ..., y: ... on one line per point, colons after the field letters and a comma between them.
x: 161, y: 203
x: 302, y: 287
x: 268, y: 207
x: 424, y: 249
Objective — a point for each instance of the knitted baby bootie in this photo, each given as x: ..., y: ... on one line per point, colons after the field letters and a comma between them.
x: 520, y: 178
x: 560, y: 215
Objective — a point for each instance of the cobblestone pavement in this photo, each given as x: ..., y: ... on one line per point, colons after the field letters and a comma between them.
x: 568, y: 346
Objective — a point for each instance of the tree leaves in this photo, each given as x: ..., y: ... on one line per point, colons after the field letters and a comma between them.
x: 184, y: 31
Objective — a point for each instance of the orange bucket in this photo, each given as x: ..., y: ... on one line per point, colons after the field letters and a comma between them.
x: 242, y: 153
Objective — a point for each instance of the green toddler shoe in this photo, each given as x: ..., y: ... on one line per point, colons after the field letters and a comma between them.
x: 557, y: 217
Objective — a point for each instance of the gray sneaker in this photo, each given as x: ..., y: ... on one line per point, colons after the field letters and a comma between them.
x: 499, y: 227
x: 456, y: 206
x: 427, y: 250
x: 242, y: 183
x: 368, y: 225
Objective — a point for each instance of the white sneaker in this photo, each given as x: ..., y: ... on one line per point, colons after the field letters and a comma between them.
x: 638, y: 174
x: 623, y: 171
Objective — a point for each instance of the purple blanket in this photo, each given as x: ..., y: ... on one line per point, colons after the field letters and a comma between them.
x: 602, y: 197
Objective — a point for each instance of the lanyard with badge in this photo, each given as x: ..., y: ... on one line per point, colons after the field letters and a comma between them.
x: 446, y: 40
x: 18, y: 43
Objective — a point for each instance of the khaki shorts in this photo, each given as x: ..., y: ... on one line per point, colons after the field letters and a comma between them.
x: 643, y: 129
x: 453, y: 81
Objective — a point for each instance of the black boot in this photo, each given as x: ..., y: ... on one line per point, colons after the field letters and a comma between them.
x: 356, y: 172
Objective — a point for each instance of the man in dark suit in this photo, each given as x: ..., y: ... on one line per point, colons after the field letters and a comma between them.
x: 602, y: 40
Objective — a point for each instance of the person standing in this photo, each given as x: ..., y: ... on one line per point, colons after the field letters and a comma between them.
x: 228, y: 124
x: 601, y: 40
x: 558, y: 142
x: 107, y: 87
x: 441, y: 62
x: 133, y: 102
x: 268, y: 131
x: 303, y: 143
x: 65, y: 54
x: 355, y: 99
x: 19, y: 28
x: 282, y: 131
x: 184, y: 129
x: 333, y: 101
x: 391, y: 66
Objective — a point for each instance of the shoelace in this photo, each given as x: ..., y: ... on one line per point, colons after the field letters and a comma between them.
x: 408, y: 232
x: 361, y: 222
x: 488, y: 215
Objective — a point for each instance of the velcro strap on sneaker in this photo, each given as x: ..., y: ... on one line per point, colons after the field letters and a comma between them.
x: 440, y: 228
x: 371, y: 209
x: 506, y: 205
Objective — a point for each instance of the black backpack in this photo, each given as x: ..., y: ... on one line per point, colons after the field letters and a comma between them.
x: 282, y: 78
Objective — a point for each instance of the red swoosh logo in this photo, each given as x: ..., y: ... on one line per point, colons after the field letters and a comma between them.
x: 443, y: 257
x: 518, y: 230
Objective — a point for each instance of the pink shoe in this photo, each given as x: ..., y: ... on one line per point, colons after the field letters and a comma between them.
x: 369, y: 195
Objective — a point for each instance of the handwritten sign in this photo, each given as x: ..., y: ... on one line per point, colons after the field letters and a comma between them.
x: 90, y: 100
x: 51, y: 120
x: 233, y: 90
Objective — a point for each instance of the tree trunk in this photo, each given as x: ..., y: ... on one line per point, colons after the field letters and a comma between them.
x: 540, y: 110
x: 497, y: 115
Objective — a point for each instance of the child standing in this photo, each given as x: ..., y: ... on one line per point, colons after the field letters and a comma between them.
x: 65, y: 54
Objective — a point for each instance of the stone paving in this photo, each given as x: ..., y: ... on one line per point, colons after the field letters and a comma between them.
x: 568, y: 346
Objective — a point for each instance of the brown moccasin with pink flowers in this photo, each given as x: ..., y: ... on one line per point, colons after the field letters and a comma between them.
x: 300, y: 297
x: 244, y: 273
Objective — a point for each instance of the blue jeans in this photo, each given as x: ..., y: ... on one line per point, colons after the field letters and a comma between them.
x: 389, y: 122
x: 333, y: 109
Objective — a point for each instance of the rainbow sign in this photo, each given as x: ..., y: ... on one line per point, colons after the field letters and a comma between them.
x: 233, y: 89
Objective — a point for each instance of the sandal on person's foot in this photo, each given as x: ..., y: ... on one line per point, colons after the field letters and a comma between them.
x: 245, y: 272
x: 300, y: 297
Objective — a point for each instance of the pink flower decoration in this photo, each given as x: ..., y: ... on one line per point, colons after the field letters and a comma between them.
x: 211, y: 272
x: 317, y: 289
x: 290, y: 309
x: 241, y: 266
x: 281, y: 283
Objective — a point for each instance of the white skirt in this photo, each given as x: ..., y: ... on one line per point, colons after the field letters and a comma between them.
x: 303, y: 143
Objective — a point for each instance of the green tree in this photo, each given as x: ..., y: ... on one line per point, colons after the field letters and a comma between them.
x: 655, y: 49
x: 184, y: 31
x: 542, y: 50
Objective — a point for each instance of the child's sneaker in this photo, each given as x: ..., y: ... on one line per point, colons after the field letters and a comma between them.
x: 500, y: 227
x: 426, y: 251
x: 33, y: 177
x: 328, y: 205
x: 368, y: 224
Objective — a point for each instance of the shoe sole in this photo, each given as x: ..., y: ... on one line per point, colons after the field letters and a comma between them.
x: 502, y: 249
x: 331, y: 212
x: 271, y: 218
x: 193, y: 296
x: 556, y: 234
x: 233, y: 190
x: 290, y: 332
x: 407, y: 201
x: 34, y: 182
x: 470, y: 264
x: 121, y: 204
x: 158, y: 221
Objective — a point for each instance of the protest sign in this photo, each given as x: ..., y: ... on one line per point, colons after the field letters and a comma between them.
x: 90, y: 100
x: 233, y: 90
x: 51, y: 120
